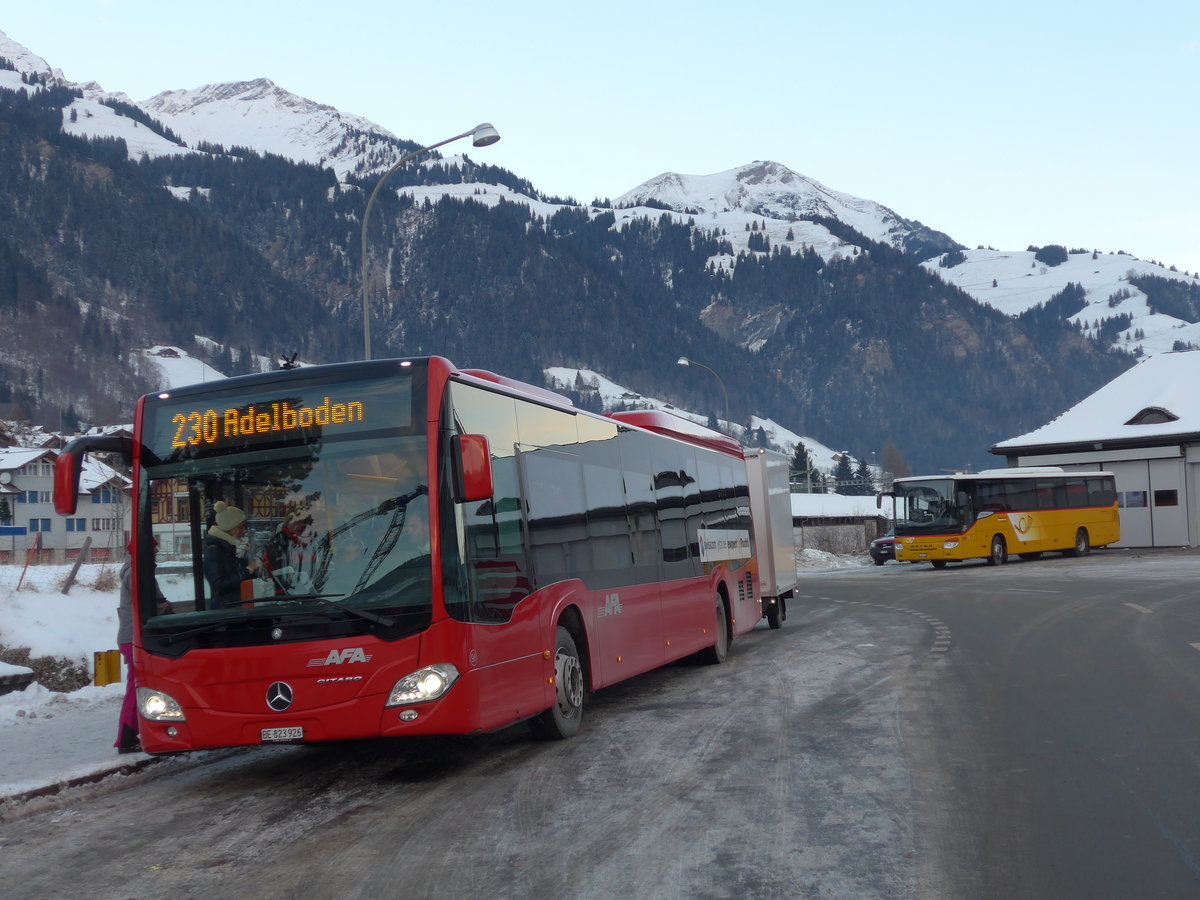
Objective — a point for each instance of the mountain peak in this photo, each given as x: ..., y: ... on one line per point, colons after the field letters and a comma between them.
x: 773, y: 191
x: 21, y: 57
x: 270, y: 119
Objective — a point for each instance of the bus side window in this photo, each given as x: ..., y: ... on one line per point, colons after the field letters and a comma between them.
x: 495, y: 576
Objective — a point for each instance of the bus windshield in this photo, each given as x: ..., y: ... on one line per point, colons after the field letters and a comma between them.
x: 928, y: 507
x: 306, y: 537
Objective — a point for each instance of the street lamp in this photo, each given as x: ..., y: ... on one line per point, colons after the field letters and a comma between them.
x: 482, y: 135
x: 684, y: 361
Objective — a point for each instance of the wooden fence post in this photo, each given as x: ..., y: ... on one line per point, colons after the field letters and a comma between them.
x: 84, y: 551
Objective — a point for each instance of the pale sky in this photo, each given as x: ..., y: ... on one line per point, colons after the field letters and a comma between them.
x: 1004, y: 124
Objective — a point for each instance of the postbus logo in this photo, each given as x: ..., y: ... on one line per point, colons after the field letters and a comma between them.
x: 1022, y: 524
x: 341, y: 657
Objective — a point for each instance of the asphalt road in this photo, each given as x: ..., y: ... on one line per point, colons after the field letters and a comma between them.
x: 1031, y: 730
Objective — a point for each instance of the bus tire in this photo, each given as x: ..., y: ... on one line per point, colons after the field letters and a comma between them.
x: 563, y: 719
x: 999, y: 554
x: 1083, y: 546
x: 938, y: 563
x: 715, y: 655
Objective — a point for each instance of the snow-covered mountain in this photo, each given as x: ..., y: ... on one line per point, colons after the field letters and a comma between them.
x: 751, y: 210
x: 778, y: 203
x: 774, y: 191
x: 264, y: 117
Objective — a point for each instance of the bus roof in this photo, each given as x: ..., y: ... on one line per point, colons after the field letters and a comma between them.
x: 1025, y: 472
x: 662, y: 422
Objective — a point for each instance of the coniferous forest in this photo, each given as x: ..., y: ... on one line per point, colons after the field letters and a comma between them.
x: 101, y: 255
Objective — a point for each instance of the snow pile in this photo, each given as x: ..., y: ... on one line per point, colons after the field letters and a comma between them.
x: 47, y: 622
x: 820, y: 561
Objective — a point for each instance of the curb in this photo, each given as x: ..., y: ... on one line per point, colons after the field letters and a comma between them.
x: 50, y: 790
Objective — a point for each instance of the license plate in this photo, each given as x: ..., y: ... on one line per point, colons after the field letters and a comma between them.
x: 291, y: 733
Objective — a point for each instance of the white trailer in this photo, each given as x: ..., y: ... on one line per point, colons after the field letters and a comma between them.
x: 774, y: 540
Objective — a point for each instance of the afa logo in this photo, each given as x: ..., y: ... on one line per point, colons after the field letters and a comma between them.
x: 341, y: 657
x: 612, y: 606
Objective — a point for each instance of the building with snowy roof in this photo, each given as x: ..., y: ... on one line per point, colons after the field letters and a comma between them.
x: 1143, y: 426
x: 836, y: 523
x: 30, y: 529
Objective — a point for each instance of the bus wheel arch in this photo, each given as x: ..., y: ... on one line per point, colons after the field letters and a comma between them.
x: 998, y: 554
x: 1083, y: 544
x: 716, y: 654
x: 564, y: 718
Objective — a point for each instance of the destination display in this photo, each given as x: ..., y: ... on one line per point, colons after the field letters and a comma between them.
x: 297, y: 413
x: 209, y: 426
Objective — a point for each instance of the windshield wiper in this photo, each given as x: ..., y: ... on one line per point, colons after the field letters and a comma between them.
x: 199, y: 629
x: 324, y: 600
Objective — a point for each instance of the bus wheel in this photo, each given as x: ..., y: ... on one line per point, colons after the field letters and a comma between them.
x: 1082, y: 545
x: 938, y: 563
x: 999, y: 555
x: 562, y: 720
x: 717, y: 652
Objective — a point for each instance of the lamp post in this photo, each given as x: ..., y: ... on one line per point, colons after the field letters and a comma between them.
x: 482, y: 135
x: 684, y: 361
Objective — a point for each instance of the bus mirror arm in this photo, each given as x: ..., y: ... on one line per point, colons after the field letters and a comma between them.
x: 473, y: 467
x: 69, y: 465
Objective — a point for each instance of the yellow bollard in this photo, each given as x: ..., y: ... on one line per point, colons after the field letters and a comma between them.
x: 107, y: 664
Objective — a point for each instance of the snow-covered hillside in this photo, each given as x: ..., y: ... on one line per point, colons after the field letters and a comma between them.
x: 1013, y: 281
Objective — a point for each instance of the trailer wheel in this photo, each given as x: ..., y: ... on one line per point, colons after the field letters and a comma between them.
x: 562, y: 720
x: 775, y: 614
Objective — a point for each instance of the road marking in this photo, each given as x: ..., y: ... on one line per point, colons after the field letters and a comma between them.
x: 1030, y: 591
x: 1143, y: 610
x: 1197, y: 646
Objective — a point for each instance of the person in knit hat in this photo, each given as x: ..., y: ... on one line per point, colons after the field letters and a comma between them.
x: 223, y: 548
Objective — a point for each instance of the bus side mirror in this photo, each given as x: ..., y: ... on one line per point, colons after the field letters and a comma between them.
x: 473, y: 465
x: 66, y: 483
x: 69, y: 465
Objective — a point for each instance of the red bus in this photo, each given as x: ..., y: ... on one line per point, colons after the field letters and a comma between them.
x: 435, y: 551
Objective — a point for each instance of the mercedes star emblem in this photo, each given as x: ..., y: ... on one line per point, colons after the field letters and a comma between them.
x: 279, y: 696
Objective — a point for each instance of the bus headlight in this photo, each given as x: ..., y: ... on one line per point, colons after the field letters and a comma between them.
x: 949, y: 545
x: 158, y: 707
x: 423, y: 685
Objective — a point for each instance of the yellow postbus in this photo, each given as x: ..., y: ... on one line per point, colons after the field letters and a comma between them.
x: 990, y: 514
